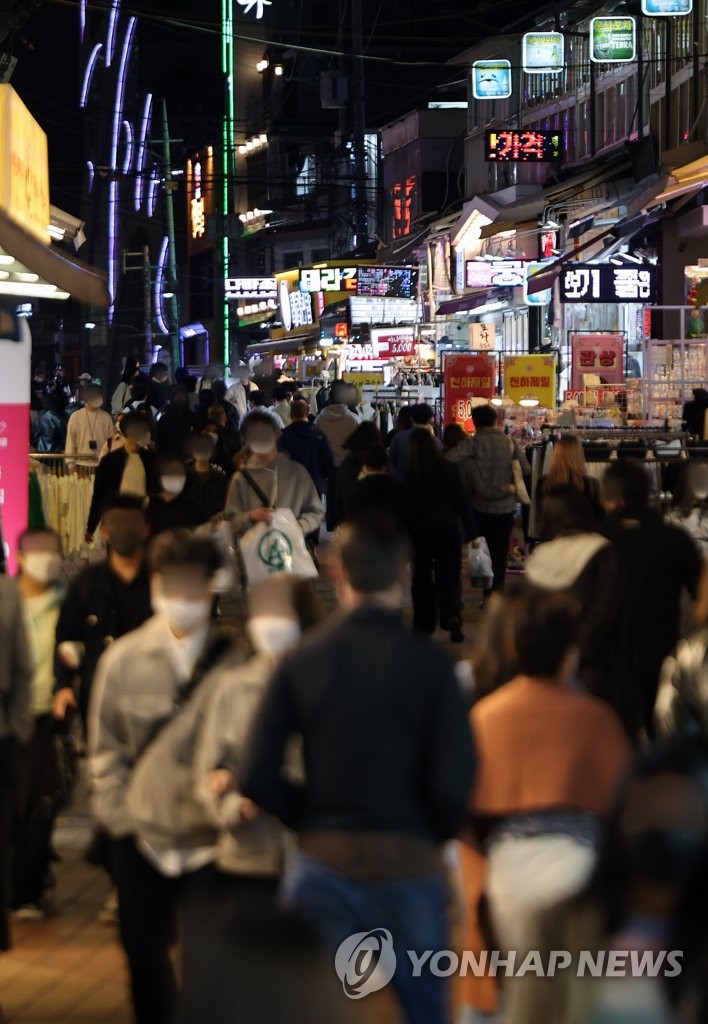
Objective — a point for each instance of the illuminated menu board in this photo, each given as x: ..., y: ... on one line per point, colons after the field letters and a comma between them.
x: 387, y: 282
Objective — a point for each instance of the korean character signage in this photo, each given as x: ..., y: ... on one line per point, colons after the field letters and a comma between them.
x: 588, y: 282
x: 524, y: 147
x: 328, y: 279
x: 467, y: 378
x: 598, y: 354
x: 24, y: 174
x: 483, y: 337
x: 531, y: 376
x: 667, y: 8
x: 613, y: 40
x: 542, y: 53
x: 491, y: 79
x: 15, y: 346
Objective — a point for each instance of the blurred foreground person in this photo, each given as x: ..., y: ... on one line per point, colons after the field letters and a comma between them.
x: 16, y: 669
x: 376, y: 490
x: 574, y: 559
x: 543, y: 781
x: 652, y: 849
x: 388, y: 768
x: 657, y: 564
x: 176, y: 505
x: 143, y: 681
x: 682, y: 701
x: 39, y: 558
x: 239, y: 894
x: 689, y: 507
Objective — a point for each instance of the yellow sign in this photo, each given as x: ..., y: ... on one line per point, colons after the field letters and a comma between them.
x: 531, y: 377
x: 365, y: 378
x: 24, y: 166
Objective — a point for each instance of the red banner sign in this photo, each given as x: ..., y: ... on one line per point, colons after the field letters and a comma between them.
x: 467, y: 377
x: 599, y: 354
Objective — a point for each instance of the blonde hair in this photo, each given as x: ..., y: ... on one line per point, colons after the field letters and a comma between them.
x: 568, y: 466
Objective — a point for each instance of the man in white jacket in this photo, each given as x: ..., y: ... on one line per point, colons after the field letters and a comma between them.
x: 88, y: 429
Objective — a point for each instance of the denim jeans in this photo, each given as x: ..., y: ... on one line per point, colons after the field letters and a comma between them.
x: 413, y: 910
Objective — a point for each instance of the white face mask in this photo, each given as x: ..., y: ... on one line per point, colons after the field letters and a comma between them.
x: 272, y: 634
x: 261, y: 445
x: 42, y: 566
x: 183, y: 614
x: 173, y: 484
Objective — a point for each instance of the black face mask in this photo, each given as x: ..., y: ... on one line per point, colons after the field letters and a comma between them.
x: 126, y: 543
x: 665, y: 856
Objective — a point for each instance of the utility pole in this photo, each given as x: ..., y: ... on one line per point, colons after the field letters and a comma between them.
x: 170, y: 187
x: 361, y: 219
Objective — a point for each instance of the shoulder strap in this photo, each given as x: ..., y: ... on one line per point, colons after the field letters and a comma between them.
x: 216, y: 648
x: 256, y: 488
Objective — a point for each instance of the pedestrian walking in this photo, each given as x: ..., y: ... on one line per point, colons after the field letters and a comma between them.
x: 389, y: 765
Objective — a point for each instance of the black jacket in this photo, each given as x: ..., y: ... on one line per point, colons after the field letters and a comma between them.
x: 386, y: 741
x: 377, y: 492
x: 109, y: 474
x: 305, y: 443
x: 98, y: 608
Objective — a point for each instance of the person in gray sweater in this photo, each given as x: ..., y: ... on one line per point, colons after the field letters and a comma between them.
x: 488, y: 459
x: 284, y: 483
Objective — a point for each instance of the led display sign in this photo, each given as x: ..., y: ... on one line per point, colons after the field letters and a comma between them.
x: 524, y: 147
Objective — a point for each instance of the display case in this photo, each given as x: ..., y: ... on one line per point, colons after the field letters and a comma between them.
x: 673, y: 369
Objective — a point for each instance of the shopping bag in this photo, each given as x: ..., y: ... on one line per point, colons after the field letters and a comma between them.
x: 479, y: 564
x: 276, y: 547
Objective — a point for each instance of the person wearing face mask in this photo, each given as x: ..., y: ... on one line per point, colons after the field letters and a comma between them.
x: 146, y: 682
x: 39, y: 560
x: 88, y: 430
x: 106, y: 600
x: 271, y: 474
x: 175, y: 506
x: 653, y: 850
x: 210, y: 481
x: 158, y: 380
x: 127, y: 470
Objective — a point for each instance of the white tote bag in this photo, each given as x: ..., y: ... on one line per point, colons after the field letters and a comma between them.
x: 276, y: 547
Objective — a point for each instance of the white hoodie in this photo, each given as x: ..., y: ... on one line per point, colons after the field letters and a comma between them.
x: 557, y: 564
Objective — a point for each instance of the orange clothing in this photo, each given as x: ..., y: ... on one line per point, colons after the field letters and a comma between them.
x: 541, y: 746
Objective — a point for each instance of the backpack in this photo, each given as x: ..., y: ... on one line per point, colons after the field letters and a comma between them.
x: 161, y: 795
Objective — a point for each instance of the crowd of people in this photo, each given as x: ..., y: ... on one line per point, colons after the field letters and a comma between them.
x: 260, y: 801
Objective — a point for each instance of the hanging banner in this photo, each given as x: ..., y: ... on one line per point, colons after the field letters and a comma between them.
x: 531, y: 377
x: 491, y: 79
x: 542, y: 53
x: 599, y: 354
x: 467, y: 380
x: 16, y: 348
x: 365, y: 378
x: 613, y: 40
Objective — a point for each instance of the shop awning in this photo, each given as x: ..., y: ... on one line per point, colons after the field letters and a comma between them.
x: 472, y: 299
x: 53, y: 267
x: 686, y: 180
x: 286, y: 346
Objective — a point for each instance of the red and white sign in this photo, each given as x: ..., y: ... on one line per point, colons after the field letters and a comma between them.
x: 384, y: 345
x: 14, y: 430
x: 600, y: 354
x: 467, y: 379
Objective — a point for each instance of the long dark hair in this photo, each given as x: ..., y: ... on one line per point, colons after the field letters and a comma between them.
x: 426, y: 466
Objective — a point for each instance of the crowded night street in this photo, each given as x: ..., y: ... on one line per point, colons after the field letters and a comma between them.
x: 353, y: 512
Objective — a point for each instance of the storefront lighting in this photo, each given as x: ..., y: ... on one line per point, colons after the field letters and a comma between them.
x: 262, y: 65
x: 27, y: 278
x: 5, y: 260
x: 37, y: 290
x: 498, y: 401
x: 529, y: 402
x: 278, y: 70
x: 89, y: 326
x: 168, y: 295
x: 4, y: 274
x: 56, y: 233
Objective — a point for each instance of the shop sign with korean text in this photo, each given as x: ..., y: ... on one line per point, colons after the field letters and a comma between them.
x: 467, y: 379
x: 491, y: 79
x: 604, y: 282
x: 542, y: 53
x: 613, y: 40
x: 24, y: 166
x: 667, y: 8
x: 365, y: 378
x: 531, y: 376
x: 598, y: 354
x: 483, y: 337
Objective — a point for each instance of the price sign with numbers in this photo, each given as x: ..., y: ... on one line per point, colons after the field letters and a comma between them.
x: 467, y: 379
